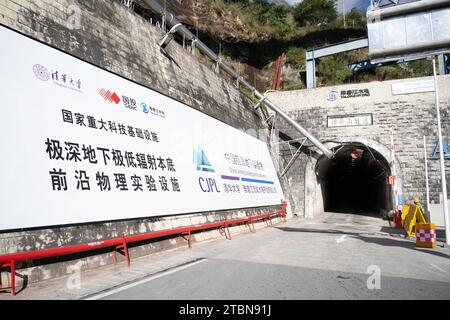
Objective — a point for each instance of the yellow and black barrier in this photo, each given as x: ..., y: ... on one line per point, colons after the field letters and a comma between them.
x: 411, y: 215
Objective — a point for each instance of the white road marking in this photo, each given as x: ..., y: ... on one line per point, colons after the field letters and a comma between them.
x: 341, y: 239
x: 439, y: 268
x: 137, y: 283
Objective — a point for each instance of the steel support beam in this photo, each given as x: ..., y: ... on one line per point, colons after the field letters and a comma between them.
x: 313, y: 54
x: 337, y: 48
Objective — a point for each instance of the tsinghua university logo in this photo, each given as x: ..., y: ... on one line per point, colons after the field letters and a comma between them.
x: 62, y: 79
x: 41, y: 72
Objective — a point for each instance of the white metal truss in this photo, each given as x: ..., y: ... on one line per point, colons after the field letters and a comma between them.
x: 275, y: 145
x: 128, y: 3
x: 379, y: 3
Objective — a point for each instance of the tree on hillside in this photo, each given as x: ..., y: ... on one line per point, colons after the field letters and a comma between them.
x: 356, y: 18
x: 315, y: 12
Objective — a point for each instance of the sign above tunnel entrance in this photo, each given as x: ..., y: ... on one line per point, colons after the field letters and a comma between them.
x: 350, y: 120
x: 333, y: 95
x: 81, y: 144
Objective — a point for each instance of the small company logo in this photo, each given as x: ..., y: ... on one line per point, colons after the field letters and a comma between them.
x: 201, y: 161
x: 41, y: 72
x: 109, y: 96
x: 145, y: 107
x: 152, y: 110
x: 333, y: 95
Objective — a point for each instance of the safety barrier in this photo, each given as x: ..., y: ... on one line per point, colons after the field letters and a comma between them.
x: 10, y: 260
x: 412, y: 214
x: 426, y: 235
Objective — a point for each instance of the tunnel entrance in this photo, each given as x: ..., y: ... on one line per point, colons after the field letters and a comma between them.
x: 355, y: 181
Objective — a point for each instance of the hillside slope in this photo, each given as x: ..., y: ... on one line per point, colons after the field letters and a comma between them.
x: 251, y: 35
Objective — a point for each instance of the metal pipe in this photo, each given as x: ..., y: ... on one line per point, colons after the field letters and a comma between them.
x: 177, y: 26
x: 327, y: 152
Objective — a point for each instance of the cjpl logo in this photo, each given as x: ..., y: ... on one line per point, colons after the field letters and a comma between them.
x: 206, y: 184
x: 201, y: 161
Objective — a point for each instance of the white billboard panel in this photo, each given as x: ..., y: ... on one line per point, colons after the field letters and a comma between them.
x: 80, y: 144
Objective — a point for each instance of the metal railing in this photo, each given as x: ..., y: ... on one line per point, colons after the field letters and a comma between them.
x: 11, y: 260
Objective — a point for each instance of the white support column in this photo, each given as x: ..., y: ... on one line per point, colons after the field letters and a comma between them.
x: 441, y: 157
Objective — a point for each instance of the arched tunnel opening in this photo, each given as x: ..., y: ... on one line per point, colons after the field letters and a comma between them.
x: 355, y: 181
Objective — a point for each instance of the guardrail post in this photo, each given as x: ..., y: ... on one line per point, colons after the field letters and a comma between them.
x: 13, y: 277
x: 269, y: 220
x: 228, y: 231
x: 188, y: 233
x: 250, y: 225
x: 190, y: 239
x: 125, y: 250
x: 12, y: 266
x: 283, y: 211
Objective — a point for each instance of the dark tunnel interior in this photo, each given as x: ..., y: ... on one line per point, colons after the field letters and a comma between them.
x: 355, y: 181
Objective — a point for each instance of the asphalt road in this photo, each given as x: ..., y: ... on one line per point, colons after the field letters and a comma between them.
x: 236, y: 280
x: 338, y: 256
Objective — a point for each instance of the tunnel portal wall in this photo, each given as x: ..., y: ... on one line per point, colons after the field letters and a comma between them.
x: 412, y: 115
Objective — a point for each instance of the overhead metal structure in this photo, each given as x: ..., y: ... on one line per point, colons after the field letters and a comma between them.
x: 128, y: 3
x: 382, y: 40
x: 178, y: 27
x: 410, y: 30
x: 316, y: 53
x: 379, y: 3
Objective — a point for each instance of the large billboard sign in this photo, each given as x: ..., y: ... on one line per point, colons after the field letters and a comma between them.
x: 412, y: 30
x: 80, y: 144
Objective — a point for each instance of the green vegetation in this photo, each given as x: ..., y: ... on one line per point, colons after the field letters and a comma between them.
x: 296, y: 57
x: 332, y: 71
x: 356, y: 18
x: 315, y: 12
x: 255, y: 32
